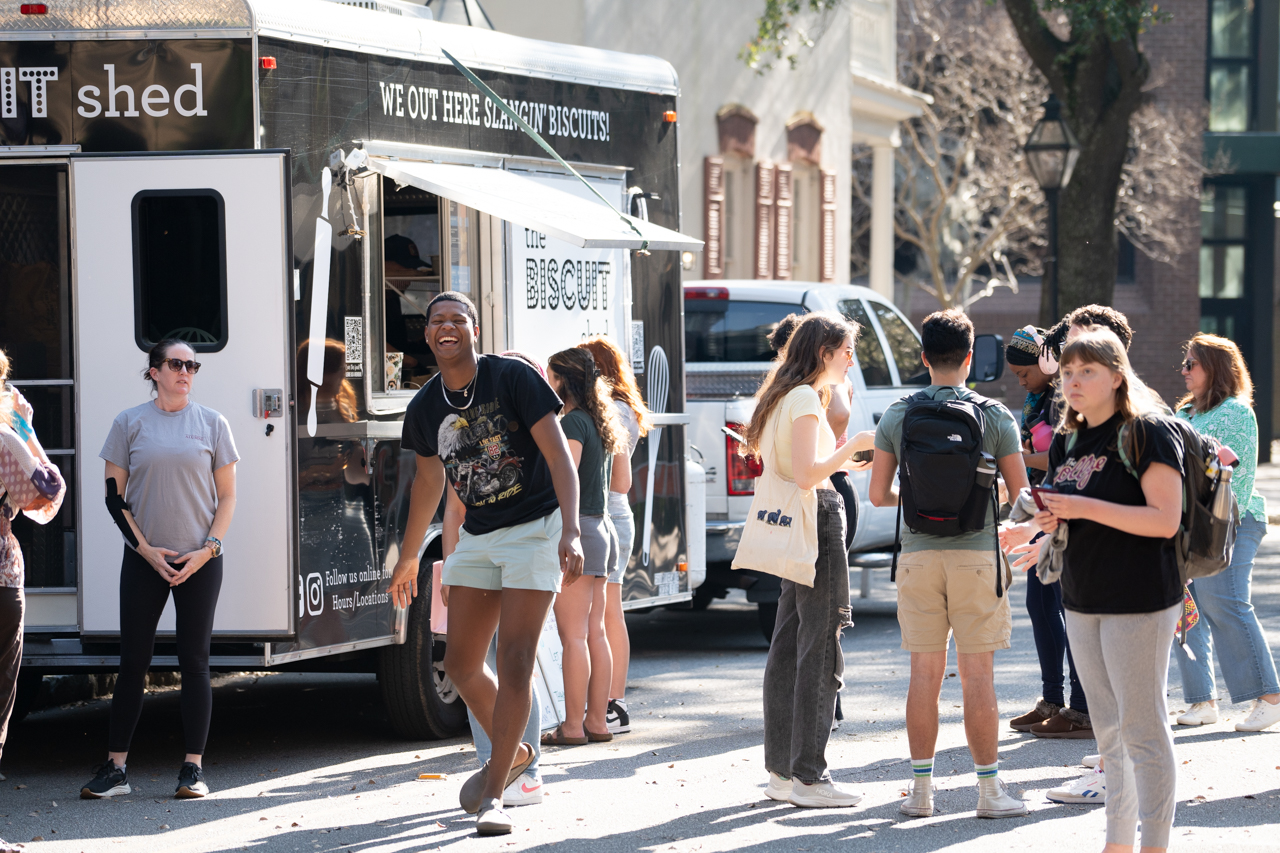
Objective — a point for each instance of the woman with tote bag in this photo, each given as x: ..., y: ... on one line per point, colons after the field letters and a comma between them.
x: 796, y: 530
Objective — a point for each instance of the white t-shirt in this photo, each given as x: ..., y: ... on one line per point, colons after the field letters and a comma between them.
x: 775, y: 444
x: 170, y: 458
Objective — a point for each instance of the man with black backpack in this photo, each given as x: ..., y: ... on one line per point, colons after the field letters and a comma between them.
x: 946, y: 443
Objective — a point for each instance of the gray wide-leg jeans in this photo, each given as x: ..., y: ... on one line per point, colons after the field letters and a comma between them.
x: 806, y: 665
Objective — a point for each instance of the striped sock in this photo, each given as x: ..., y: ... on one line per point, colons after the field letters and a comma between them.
x: 922, y: 769
x: 986, y: 771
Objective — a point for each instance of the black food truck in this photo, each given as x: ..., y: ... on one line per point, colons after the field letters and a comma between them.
x: 285, y: 184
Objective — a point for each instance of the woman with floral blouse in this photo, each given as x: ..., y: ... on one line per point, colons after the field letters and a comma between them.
x: 1219, y: 403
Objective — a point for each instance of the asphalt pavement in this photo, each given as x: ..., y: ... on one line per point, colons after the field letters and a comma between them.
x: 308, y: 763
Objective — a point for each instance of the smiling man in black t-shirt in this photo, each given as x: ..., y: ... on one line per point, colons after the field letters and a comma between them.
x: 489, y: 424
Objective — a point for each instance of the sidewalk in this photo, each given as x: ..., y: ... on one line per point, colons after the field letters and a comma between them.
x: 1268, y: 484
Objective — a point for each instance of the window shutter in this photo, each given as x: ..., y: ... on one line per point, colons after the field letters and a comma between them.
x: 764, y: 219
x: 713, y: 217
x: 783, y: 221
x: 827, y: 226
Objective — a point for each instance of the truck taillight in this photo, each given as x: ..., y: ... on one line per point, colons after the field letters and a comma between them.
x: 742, y: 471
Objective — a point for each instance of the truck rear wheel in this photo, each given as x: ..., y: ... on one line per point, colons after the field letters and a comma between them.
x: 421, y: 701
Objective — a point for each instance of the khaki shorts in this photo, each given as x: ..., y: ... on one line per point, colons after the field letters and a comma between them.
x: 526, y: 556
x: 944, y: 591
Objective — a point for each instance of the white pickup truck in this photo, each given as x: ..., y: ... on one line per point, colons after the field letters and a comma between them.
x: 727, y: 354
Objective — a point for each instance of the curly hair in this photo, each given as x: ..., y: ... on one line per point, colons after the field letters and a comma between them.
x: 612, y: 363
x: 582, y: 386
x: 1085, y: 316
x: 802, y: 363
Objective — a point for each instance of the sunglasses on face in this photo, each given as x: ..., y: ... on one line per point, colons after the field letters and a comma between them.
x: 1189, y: 364
x: 176, y: 365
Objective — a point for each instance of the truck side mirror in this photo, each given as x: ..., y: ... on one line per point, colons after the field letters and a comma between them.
x: 988, y: 359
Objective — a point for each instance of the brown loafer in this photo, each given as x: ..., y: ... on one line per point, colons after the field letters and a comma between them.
x: 1041, y: 712
x: 557, y: 737
x: 1067, y: 723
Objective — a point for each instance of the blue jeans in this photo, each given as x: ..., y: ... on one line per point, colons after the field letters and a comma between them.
x: 532, y: 729
x: 1228, y: 621
x: 1048, y: 626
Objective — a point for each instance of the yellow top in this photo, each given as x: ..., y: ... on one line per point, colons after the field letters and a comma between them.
x: 775, y: 444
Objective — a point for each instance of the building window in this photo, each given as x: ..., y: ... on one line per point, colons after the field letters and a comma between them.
x: 1231, y: 73
x: 1223, y: 231
x: 180, y: 268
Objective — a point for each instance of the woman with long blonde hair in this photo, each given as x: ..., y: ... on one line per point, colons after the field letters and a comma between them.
x: 595, y: 434
x: 613, y: 366
x: 1120, y: 582
x: 1219, y: 403
x: 790, y: 433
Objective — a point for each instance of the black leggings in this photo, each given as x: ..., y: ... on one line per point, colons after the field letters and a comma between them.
x: 143, y: 594
x: 840, y: 480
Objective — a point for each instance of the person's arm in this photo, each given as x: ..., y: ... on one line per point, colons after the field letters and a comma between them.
x: 1014, y: 474
x: 424, y: 497
x: 1158, y: 518
x: 154, y: 556
x: 1038, y: 461
x: 840, y: 408
x: 455, y: 512
x: 806, y: 468
x: 620, y: 479
x: 564, y: 478
x: 882, y: 491
x: 224, y: 481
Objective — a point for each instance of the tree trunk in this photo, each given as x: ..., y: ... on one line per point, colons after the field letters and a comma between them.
x: 1100, y: 84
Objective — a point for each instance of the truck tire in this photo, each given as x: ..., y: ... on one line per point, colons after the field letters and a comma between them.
x: 768, y: 613
x: 421, y: 701
x: 24, y: 699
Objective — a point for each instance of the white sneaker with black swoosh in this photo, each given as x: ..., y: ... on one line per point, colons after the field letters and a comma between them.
x: 525, y: 791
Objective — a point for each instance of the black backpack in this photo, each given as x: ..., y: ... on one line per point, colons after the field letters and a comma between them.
x: 938, y: 460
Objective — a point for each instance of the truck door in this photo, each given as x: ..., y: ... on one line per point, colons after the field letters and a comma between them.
x: 194, y: 247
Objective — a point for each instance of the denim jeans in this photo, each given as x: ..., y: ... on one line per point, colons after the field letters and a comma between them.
x: 1229, y: 624
x: 1049, y: 627
x: 806, y: 664
x: 532, y: 729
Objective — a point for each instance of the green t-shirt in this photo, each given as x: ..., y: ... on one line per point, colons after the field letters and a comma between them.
x: 1001, y: 438
x: 595, y: 469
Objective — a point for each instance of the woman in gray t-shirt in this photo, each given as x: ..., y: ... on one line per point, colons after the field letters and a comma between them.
x: 171, y: 488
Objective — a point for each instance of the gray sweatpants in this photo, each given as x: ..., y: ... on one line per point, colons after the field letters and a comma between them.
x: 1123, y: 662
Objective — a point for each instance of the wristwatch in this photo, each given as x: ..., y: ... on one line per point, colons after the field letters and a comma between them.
x: 216, y: 543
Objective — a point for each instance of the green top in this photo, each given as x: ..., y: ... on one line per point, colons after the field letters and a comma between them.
x: 595, y: 468
x: 1234, y: 424
x: 1000, y: 438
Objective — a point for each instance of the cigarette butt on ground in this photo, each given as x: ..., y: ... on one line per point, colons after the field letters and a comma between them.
x: 432, y: 776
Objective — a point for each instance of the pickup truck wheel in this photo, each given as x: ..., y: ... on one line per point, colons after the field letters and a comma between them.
x: 768, y: 613
x: 421, y: 701
x: 703, y: 596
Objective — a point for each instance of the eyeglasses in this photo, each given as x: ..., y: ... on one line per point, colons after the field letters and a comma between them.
x: 1188, y: 365
x: 176, y: 365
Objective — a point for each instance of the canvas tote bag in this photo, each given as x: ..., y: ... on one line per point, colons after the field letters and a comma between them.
x: 780, y: 536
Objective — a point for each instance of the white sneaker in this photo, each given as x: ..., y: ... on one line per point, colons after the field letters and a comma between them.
x: 1201, y: 714
x: 1091, y: 760
x: 1264, y: 714
x: 779, y: 788
x: 994, y: 800
x: 1091, y: 789
x: 493, y: 820
x: 919, y: 801
x: 525, y: 791
x: 823, y: 795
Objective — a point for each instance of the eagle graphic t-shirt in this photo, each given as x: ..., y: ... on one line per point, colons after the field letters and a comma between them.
x: 482, y: 436
x: 1107, y: 570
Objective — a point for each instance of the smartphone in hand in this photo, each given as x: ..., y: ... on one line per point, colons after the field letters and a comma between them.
x: 863, y: 456
x: 1038, y: 491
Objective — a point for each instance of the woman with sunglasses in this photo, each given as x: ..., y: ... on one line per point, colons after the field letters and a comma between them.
x: 171, y: 488
x: 1219, y: 402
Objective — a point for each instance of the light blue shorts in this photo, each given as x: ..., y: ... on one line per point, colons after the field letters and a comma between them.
x: 522, y: 557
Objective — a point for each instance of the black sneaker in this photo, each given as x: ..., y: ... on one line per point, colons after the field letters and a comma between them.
x: 109, y: 781
x: 616, y: 716
x: 191, y: 784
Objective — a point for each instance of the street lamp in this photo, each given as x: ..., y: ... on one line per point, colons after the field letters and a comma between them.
x: 1052, y: 151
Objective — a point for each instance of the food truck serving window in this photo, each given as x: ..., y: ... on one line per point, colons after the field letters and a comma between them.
x: 180, y: 268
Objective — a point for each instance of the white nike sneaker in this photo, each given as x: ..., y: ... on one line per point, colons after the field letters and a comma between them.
x: 525, y: 791
x: 1090, y: 789
x: 1264, y: 714
x: 1201, y: 714
x: 994, y: 800
x: 1091, y: 760
x: 919, y: 801
x: 779, y: 788
x: 822, y: 795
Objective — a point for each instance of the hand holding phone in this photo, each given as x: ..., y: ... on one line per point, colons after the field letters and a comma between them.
x: 863, y: 456
x: 1038, y: 491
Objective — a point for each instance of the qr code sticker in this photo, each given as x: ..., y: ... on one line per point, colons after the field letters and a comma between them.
x: 353, y: 337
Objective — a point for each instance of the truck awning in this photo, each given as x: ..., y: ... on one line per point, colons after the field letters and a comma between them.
x: 531, y: 204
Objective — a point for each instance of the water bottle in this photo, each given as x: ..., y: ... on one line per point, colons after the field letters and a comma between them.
x: 1221, y: 508
x: 986, y: 473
